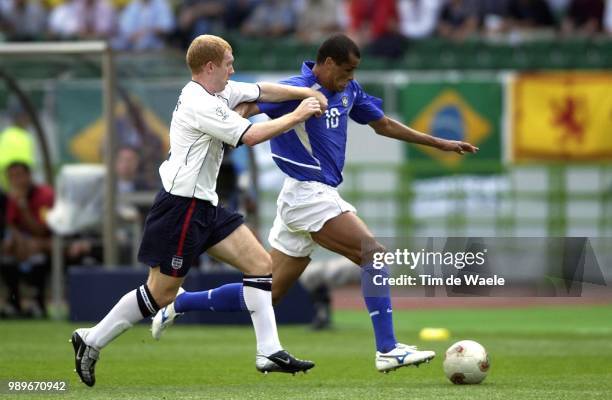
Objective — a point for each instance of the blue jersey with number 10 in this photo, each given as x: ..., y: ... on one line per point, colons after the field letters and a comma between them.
x: 315, y: 149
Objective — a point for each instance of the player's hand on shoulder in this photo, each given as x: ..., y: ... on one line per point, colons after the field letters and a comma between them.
x: 307, y: 108
x: 458, y: 147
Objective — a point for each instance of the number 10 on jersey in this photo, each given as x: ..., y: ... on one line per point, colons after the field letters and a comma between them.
x: 332, y: 118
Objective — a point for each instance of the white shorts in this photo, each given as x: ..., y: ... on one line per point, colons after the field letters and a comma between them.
x: 302, y: 208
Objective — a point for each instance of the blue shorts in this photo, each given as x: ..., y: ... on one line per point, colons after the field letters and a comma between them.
x: 179, y: 229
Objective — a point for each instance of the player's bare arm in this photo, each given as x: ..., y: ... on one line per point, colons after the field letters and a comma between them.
x: 247, y: 110
x: 262, y: 131
x: 276, y: 92
x: 396, y: 130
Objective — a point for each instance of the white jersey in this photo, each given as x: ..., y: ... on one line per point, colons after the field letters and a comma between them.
x: 201, y: 123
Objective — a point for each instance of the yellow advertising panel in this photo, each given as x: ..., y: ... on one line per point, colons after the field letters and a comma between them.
x: 562, y: 117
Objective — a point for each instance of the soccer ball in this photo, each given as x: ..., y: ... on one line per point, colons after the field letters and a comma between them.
x: 466, y: 362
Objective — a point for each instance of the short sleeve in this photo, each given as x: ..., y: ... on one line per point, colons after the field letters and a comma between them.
x: 366, y: 108
x: 222, y: 123
x: 241, y: 92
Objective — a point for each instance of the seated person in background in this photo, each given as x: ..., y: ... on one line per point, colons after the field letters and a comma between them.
x: 418, y: 18
x: 584, y: 17
x: 493, y: 16
x: 82, y: 19
x: 458, y: 20
x: 198, y: 17
x: 2, y: 214
x: 22, y: 20
x: 318, y: 18
x: 270, y: 18
x: 144, y: 25
x: 86, y: 248
x: 530, y: 14
x: 27, y: 243
x: 607, y: 23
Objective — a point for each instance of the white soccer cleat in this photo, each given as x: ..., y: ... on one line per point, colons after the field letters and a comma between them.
x: 164, y: 318
x: 401, y: 356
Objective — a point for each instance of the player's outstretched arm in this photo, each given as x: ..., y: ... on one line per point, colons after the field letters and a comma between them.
x: 262, y: 131
x: 276, y: 92
x: 396, y: 130
x: 247, y: 110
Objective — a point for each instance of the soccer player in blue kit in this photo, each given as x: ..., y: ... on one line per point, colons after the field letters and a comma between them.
x: 310, y: 210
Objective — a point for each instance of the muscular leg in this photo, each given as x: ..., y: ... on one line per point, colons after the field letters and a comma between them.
x: 345, y: 235
x: 242, y: 250
x: 286, y: 270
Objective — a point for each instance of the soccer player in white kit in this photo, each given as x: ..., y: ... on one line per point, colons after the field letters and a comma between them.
x: 185, y: 219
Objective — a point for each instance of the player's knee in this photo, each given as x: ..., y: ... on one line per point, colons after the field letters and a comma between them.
x: 163, y: 296
x: 277, y: 294
x: 371, y: 252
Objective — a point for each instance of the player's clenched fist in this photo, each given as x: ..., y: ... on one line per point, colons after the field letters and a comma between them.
x: 322, y: 101
x: 307, y: 108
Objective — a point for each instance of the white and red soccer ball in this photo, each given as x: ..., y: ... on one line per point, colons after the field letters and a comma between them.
x: 466, y: 362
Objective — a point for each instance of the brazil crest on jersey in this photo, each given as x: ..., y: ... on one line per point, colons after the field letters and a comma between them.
x: 315, y: 149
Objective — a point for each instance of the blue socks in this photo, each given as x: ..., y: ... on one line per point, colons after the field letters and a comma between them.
x: 378, y: 301
x: 227, y: 298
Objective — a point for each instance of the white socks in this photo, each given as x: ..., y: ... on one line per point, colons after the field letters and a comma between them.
x: 257, y: 291
x: 132, y: 307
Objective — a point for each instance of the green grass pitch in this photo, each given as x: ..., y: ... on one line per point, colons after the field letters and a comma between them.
x: 536, y: 353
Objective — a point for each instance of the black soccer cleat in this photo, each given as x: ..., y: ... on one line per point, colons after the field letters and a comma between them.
x: 282, y: 361
x: 85, y: 358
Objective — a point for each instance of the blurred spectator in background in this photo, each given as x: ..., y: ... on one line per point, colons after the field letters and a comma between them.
x: 370, y: 20
x: 27, y: 245
x: 375, y: 24
x: 583, y: 17
x: 22, y: 20
x: 82, y: 19
x: 85, y: 248
x: 418, y: 18
x: 199, y: 17
x: 458, y: 20
x: 129, y: 180
x: 608, y: 17
x: 558, y: 8
x: 318, y: 18
x: 493, y: 16
x: 16, y: 142
x: 144, y: 25
x: 2, y: 214
x: 530, y: 14
x: 239, y: 11
x: 270, y: 19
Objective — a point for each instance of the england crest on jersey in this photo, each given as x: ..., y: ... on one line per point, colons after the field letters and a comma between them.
x: 177, y: 262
